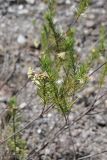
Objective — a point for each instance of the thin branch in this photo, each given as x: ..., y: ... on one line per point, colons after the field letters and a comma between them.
x: 96, y: 113
x: 97, y: 69
x: 17, y: 92
x: 32, y: 152
x: 14, y: 130
x: 70, y: 134
x: 93, y: 155
x: 64, y: 127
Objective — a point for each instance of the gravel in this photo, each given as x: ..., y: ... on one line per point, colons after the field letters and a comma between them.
x: 21, y: 23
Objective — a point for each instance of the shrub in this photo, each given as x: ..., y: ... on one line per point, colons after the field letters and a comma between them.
x: 63, y: 74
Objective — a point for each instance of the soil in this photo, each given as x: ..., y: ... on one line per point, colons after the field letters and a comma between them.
x: 20, y: 25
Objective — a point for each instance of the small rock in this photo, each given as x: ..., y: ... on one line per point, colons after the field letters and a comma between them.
x: 90, y: 23
x: 100, y: 121
x: 68, y: 2
x: 85, y: 134
x: 78, y: 49
x: 30, y: 1
x: 11, y: 10
x: 86, y: 31
x: 100, y: 3
x: 23, y: 105
x: 21, y: 39
x: 91, y: 16
x: 106, y: 103
x: 49, y: 115
x: 39, y: 131
x: 47, y: 151
x: 61, y: 2
x: 42, y: 7
x: 89, y: 91
x: 22, y: 11
x: 5, y: 92
x: 3, y: 99
x: 20, y: 7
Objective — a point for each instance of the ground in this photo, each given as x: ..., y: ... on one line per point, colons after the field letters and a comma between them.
x: 20, y: 24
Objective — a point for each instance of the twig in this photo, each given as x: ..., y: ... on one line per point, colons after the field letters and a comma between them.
x: 18, y: 91
x: 14, y: 129
x: 43, y: 146
x: 97, y: 69
x: 64, y: 127
x: 70, y: 134
x: 96, y: 113
x: 93, y: 155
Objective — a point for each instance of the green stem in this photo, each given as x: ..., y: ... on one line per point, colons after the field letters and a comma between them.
x: 14, y: 130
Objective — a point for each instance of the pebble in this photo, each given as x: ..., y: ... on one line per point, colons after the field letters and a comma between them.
x: 5, y: 92
x: 41, y: 7
x: 91, y: 16
x: 61, y: 2
x: 22, y: 105
x: 100, y: 3
x: 22, y: 12
x: 106, y: 103
x: 100, y: 121
x: 90, y: 23
x: 49, y: 115
x: 3, y: 99
x: 39, y: 131
x: 21, y: 39
x: 11, y: 10
x: 86, y: 31
x: 85, y: 134
x: 30, y: 1
x: 68, y: 2
x: 20, y: 7
x: 89, y: 90
x: 47, y: 151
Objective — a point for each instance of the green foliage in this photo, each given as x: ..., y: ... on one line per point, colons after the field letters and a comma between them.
x: 82, y: 7
x: 12, y: 104
x: 19, y: 149
x: 62, y: 74
x: 16, y: 145
x: 99, y: 52
x: 103, y: 75
x: 100, y: 49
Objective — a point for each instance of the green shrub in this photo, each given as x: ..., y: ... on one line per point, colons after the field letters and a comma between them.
x: 17, y: 147
x: 63, y: 74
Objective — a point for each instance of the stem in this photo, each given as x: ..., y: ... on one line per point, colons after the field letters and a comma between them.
x: 14, y: 130
x: 54, y: 32
x: 44, y: 93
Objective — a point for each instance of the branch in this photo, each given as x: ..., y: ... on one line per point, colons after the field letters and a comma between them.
x: 93, y: 155
x: 97, y: 69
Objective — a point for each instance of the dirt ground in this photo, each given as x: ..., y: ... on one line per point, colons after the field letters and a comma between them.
x: 20, y: 24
